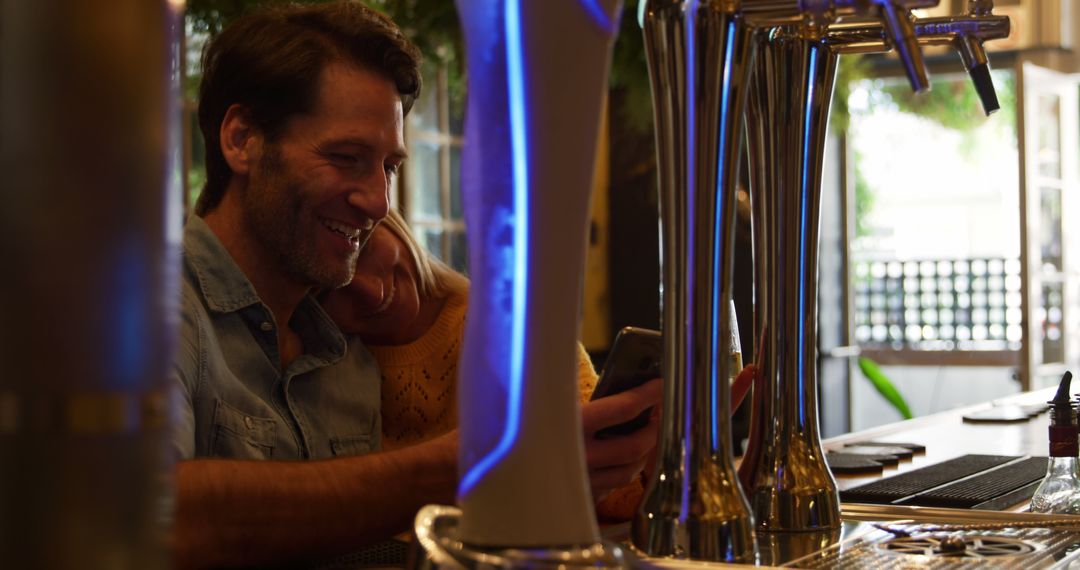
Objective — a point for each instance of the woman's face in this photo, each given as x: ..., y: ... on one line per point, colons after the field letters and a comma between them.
x: 383, y: 299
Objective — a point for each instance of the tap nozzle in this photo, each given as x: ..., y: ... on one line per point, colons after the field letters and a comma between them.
x: 973, y: 54
x: 975, y: 61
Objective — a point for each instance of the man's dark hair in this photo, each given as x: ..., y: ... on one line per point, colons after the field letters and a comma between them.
x: 270, y: 61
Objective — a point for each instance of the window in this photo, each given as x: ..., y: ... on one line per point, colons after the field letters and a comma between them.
x: 430, y: 193
x: 936, y: 264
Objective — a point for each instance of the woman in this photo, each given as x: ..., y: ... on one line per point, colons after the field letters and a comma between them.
x: 409, y: 309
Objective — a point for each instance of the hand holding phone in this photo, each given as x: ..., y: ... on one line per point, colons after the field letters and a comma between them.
x: 635, y: 358
x: 614, y: 461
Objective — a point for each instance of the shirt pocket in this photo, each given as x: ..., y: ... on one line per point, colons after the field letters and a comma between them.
x: 237, y: 435
x: 350, y: 445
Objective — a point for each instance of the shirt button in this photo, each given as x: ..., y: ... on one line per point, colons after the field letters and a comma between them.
x: 248, y: 422
x: 267, y: 326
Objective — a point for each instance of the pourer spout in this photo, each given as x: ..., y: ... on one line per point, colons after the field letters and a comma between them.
x: 1062, y: 396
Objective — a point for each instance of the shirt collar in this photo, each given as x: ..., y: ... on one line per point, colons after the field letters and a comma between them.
x: 227, y: 289
x: 223, y: 283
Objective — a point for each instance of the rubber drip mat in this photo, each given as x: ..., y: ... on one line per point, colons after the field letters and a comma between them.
x: 1001, y: 482
x: 892, y: 489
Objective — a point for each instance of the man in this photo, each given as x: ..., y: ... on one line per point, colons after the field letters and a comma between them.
x: 302, y: 110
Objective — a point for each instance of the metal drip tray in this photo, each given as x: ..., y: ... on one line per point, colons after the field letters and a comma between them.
x: 1006, y: 548
x: 935, y: 538
x: 957, y: 546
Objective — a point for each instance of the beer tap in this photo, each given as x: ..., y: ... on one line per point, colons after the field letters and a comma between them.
x: 701, y: 56
x: 698, y: 53
x: 896, y: 17
x: 969, y: 44
x: 784, y: 473
x: 965, y: 34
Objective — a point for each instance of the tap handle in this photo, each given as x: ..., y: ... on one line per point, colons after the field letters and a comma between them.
x: 901, y: 33
x: 980, y: 7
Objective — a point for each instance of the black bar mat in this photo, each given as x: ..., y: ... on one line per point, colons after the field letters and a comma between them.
x: 983, y: 487
x: 897, y: 487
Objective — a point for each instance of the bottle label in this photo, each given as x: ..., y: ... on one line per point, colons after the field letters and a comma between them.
x: 1063, y: 441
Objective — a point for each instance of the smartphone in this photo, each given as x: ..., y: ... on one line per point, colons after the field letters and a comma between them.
x: 635, y: 358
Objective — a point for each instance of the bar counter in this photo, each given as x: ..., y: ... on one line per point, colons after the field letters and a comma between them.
x: 946, y: 435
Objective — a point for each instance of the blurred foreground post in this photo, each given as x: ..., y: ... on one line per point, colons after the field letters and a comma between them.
x: 90, y: 235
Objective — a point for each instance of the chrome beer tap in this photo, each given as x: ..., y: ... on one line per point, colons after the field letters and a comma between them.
x: 784, y: 473
x: 701, y: 56
x: 698, y: 54
x: 965, y: 34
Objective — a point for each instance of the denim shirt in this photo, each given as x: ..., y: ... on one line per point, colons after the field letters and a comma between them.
x: 235, y: 401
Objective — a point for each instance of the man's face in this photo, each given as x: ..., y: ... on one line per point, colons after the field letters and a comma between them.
x: 317, y: 191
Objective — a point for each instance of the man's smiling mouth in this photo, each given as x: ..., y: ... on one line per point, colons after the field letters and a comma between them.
x: 347, y: 231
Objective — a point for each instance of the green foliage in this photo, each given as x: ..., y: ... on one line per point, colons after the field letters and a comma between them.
x: 849, y: 70
x: 434, y: 27
x: 630, y: 73
x: 864, y: 199
x: 852, y: 69
x: 196, y: 181
x: 884, y: 386
x: 955, y: 104
x: 952, y: 103
x: 210, y: 16
x: 431, y: 24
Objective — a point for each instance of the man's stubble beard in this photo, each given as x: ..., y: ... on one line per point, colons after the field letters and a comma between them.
x: 282, y: 222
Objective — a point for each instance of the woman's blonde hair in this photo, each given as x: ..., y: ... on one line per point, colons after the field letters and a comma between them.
x: 435, y: 278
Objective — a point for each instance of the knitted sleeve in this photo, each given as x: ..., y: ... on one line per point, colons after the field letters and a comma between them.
x: 586, y: 374
x: 419, y: 381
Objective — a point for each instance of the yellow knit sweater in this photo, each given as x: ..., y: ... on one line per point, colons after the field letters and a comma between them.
x: 419, y: 379
x: 419, y: 385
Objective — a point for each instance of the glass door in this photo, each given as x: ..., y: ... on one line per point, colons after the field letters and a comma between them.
x: 1050, y: 210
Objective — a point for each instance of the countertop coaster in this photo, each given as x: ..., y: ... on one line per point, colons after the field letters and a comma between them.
x: 899, y: 452
x: 852, y: 464
x: 886, y: 459
x: 999, y: 415
x: 1036, y: 409
x: 914, y: 447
